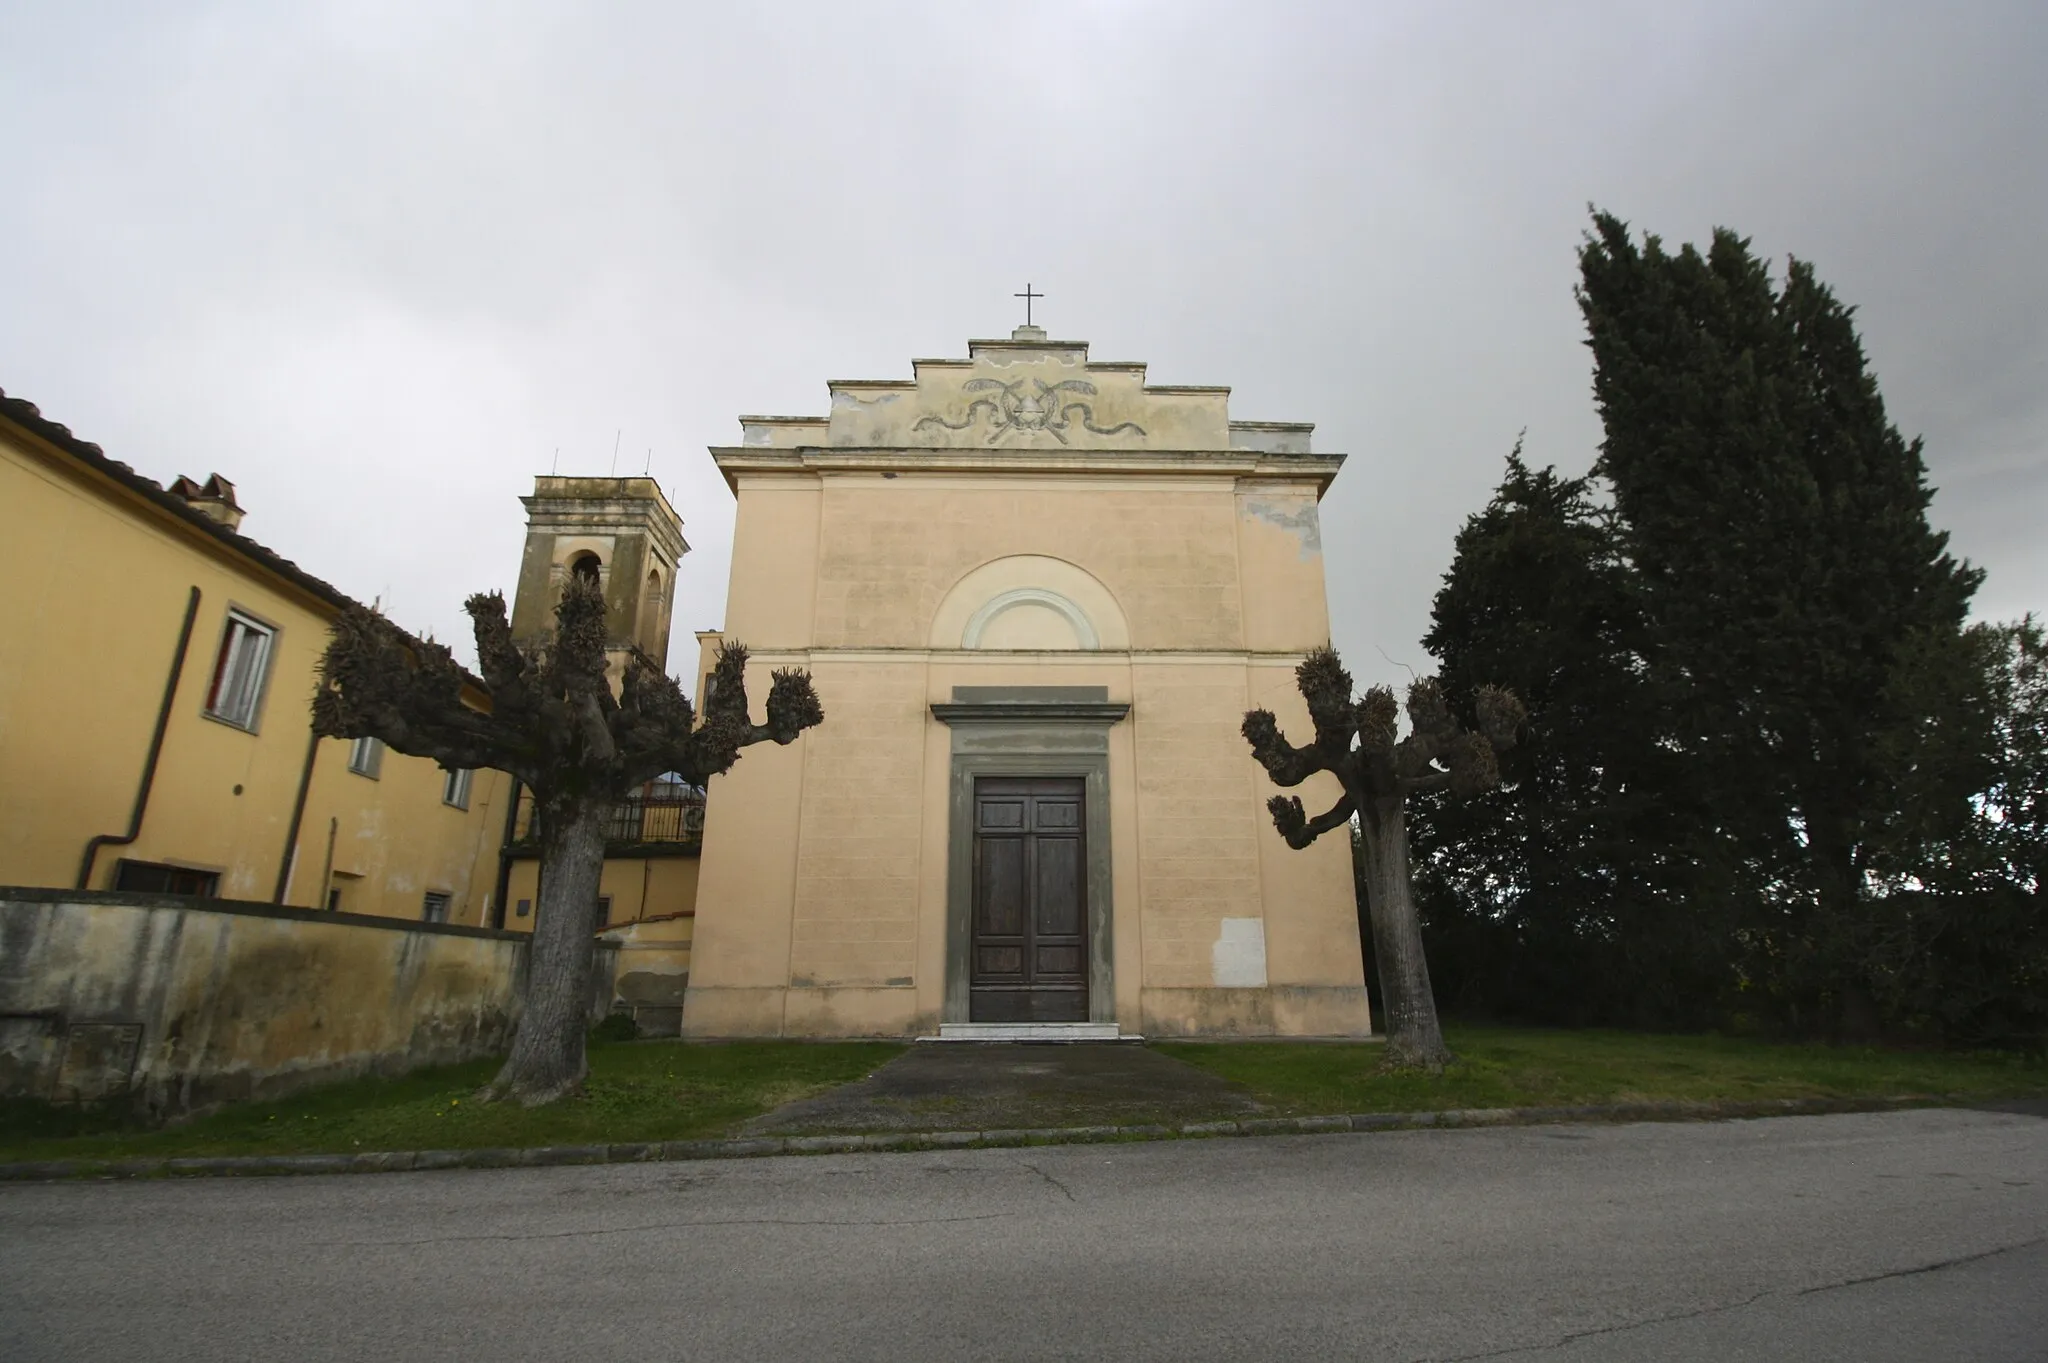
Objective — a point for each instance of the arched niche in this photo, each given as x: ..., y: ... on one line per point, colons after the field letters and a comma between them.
x: 653, y: 630
x: 1030, y: 602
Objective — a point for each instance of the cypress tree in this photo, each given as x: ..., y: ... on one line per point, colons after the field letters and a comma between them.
x: 1805, y: 619
x: 1578, y: 890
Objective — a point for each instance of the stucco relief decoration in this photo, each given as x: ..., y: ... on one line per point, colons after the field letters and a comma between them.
x: 1044, y: 409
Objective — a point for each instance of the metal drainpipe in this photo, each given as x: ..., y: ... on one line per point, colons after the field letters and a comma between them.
x: 156, y: 748
x: 499, y: 916
x: 291, y: 837
x: 327, y: 870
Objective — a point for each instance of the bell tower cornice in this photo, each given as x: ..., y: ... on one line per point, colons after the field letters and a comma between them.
x: 620, y: 533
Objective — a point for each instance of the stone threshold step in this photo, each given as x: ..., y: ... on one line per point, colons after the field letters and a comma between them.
x: 1030, y: 1031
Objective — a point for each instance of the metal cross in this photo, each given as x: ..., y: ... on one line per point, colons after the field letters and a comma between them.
x: 1027, y: 296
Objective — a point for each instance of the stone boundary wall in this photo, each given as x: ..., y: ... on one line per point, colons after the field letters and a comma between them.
x: 178, y: 1005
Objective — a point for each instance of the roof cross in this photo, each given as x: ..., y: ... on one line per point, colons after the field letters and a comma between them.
x: 1027, y: 296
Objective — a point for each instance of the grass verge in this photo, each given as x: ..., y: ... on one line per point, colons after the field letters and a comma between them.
x: 637, y: 1091
x: 1515, y: 1067
x: 660, y: 1091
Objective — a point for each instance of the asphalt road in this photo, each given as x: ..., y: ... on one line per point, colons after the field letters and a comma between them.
x: 1914, y: 1235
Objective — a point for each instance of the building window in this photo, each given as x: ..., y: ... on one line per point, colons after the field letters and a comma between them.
x: 435, y: 909
x: 604, y: 910
x: 455, y: 788
x: 525, y: 907
x: 366, y: 757
x: 240, y: 671
x: 334, y: 900
x: 148, y: 877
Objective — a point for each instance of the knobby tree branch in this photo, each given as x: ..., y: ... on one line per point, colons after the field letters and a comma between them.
x: 546, y: 712
x: 1358, y: 741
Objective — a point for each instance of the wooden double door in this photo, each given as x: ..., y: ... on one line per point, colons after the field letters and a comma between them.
x: 1029, y: 961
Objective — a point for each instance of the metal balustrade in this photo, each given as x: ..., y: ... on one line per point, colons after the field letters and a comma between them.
x: 662, y: 815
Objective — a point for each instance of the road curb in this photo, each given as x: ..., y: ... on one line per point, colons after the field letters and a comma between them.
x: 407, y: 1161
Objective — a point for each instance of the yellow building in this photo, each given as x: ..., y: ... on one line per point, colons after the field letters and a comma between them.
x: 155, y: 735
x: 1037, y: 595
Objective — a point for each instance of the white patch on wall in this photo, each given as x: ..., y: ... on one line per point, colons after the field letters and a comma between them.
x: 1238, y: 960
x: 1297, y: 518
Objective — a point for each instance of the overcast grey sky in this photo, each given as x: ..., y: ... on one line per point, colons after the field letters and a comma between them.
x: 376, y: 262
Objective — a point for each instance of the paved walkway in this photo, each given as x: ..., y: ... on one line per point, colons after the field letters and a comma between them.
x: 951, y: 1086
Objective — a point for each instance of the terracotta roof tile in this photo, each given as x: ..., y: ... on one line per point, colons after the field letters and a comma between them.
x: 28, y: 417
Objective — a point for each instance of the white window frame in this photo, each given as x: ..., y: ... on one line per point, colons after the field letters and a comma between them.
x: 241, y: 671
x: 366, y: 758
x: 455, y: 787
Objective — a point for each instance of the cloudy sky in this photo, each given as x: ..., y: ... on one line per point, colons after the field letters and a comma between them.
x: 377, y: 263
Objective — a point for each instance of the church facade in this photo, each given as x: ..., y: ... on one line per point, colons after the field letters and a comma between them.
x: 1037, y: 595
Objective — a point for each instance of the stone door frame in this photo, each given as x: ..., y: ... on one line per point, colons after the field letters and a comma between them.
x: 1029, y: 731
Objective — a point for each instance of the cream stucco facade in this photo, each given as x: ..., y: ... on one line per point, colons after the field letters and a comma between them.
x: 1022, y: 564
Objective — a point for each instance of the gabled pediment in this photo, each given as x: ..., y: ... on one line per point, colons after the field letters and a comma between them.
x: 1024, y: 393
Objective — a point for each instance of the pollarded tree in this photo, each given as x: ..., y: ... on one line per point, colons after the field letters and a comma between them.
x: 1356, y: 740
x: 554, y: 724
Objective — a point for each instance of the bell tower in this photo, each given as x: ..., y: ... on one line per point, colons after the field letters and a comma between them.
x: 620, y: 533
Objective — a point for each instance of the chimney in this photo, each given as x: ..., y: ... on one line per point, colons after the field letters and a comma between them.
x: 214, y: 499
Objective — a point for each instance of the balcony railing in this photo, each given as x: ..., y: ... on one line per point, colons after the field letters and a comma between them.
x: 661, y: 816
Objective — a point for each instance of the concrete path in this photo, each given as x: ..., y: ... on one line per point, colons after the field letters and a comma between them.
x: 1874, y: 1237
x: 1008, y: 1086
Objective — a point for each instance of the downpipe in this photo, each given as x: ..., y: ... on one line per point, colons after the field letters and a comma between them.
x: 156, y: 748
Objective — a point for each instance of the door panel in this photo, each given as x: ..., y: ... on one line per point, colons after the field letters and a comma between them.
x: 1029, y: 961
x: 1059, y: 893
x: 1004, y: 890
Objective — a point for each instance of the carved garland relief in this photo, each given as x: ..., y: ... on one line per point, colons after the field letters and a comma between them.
x: 1043, y: 409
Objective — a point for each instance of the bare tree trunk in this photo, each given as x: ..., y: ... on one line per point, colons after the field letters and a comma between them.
x: 547, y: 1061
x: 1413, y: 1036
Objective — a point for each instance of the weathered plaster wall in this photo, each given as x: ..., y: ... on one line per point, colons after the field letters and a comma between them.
x: 890, y: 550
x: 182, y: 1004
x: 1198, y: 859
x: 909, y: 554
x: 639, y: 887
x: 822, y: 904
x: 653, y: 971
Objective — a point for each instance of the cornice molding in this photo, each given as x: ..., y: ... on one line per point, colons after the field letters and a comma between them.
x: 733, y: 460
x: 1027, y: 712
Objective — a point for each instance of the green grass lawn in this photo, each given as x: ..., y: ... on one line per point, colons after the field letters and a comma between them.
x: 637, y: 1091
x: 668, y: 1090
x: 1514, y: 1067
